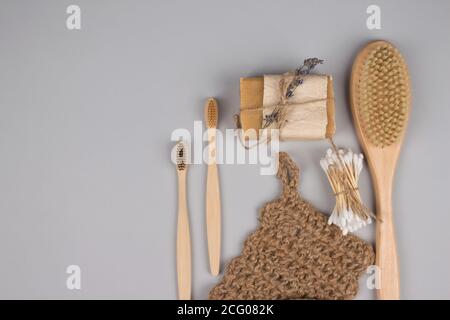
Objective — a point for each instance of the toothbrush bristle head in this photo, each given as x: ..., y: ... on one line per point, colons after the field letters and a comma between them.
x: 181, y: 157
x: 211, y: 113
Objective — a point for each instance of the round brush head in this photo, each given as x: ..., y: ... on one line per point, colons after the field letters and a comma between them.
x: 381, y: 93
x: 211, y: 113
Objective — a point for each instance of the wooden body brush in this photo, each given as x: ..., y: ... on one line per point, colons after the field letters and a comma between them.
x: 213, y: 223
x: 380, y: 102
x: 183, y: 234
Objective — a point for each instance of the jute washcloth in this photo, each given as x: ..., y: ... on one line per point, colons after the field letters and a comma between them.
x: 294, y: 253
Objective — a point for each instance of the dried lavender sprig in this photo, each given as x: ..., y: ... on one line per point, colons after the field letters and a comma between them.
x: 308, y: 65
x: 271, y: 118
x: 305, y: 69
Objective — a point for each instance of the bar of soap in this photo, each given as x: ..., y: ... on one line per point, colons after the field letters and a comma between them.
x: 310, y: 112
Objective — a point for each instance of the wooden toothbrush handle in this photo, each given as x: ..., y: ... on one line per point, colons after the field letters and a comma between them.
x: 386, y: 248
x: 213, y: 218
x: 183, y: 243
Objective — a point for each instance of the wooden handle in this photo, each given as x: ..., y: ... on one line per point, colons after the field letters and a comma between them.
x: 382, y: 163
x: 386, y: 255
x: 183, y: 242
x: 213, y: 216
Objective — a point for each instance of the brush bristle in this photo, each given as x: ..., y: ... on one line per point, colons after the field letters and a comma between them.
x: 181, y: 156
x: 211, y: 113
x: 383, y: 95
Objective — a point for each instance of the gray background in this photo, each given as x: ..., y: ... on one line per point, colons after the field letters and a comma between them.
x: 86, y: 118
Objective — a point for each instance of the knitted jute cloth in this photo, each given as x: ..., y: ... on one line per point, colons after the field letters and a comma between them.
x: 295, y: 254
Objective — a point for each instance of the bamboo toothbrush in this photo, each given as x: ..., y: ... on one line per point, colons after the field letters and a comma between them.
x: 183, y: 234
x: 380, y: 101
x: 213, y: 223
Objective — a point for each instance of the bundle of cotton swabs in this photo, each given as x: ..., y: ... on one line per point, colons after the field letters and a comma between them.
x: 343, y: 170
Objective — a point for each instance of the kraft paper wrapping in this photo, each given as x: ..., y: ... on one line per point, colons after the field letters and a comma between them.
x: 310, y: 111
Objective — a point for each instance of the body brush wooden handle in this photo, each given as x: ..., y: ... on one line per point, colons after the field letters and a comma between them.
x: 382, y: 166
